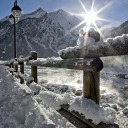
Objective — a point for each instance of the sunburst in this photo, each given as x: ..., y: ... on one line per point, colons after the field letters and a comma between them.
x: 89, y: 18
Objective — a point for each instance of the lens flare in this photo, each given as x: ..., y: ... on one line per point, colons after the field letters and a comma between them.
x: 90, y: 17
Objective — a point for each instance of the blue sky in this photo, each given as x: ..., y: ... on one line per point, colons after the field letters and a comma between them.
x: 117, y: 10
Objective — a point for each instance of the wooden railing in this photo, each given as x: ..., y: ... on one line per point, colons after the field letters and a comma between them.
x: 91, y: 81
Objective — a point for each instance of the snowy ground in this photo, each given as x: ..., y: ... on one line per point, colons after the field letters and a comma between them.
x: 114, y: 94
x: 113, y: 87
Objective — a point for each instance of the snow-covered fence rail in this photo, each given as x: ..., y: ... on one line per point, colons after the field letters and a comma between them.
x: 91, y: 75
x: 93, y: 64
x: 90, y: 67
x: 111, y: 47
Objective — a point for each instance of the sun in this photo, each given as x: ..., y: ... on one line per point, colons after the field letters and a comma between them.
x: 90, y: 17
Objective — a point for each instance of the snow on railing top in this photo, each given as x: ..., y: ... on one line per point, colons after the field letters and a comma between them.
x: 54, y: 60
x: 87, y: 47
x: 11, y: 69
x: 7, y: 62
x: 89, y: 64
x: 26, y: 77
x: 16, y: 61
x: 24, y: 59
x: 84, y: 106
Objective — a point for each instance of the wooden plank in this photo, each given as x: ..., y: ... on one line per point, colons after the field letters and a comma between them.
x: 91, y: 85
x: 34, y: 68
x: 88, y: 121
x: 91, y: 64
x: 115, y: 49
x: 73, y: 119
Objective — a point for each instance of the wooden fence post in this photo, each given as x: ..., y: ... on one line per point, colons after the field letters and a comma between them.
x: 22, y: 71
x: 16, y: 66
x: 34, y: 68
x: 11, y: 65
x: 91, y: 85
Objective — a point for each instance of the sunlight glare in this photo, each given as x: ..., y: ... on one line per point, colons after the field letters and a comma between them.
x: 90, y: 17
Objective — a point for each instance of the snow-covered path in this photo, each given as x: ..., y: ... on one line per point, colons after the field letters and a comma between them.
x: 18, y: 107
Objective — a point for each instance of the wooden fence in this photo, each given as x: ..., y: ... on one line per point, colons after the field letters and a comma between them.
x: 91, y: 82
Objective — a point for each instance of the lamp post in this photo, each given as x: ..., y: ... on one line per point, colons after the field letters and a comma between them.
x: 3, y: 53
x: 13, y: 18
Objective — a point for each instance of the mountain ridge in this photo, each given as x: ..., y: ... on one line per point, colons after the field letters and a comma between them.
x: 40, y: 31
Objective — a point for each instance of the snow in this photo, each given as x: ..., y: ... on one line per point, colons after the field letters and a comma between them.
x: 106, y: 115
x: 52, y: 99
x: 88, y: 43
x: 118, y: 39
x: 43, y: 61
x: 20, y: 59
x: 28, y: 43
x: 36, y: 14
x: 35, y: 87
x: 15, y: 63
x: 64, y: 84
x: 26, y: 77
x: 18, y: 107
x: 11, y: 69
x: 92, y: 110
x: 65, y: 19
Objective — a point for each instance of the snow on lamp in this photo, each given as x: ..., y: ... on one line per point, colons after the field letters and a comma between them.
x: 11, y: 19
x: 16, y: 10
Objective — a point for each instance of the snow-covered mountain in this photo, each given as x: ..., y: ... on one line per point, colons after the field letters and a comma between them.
x: 105, y: 30
x: 40, y: 31
x: 118, y: 31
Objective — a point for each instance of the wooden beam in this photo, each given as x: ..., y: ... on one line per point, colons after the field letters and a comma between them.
x: 92, y: 64
x: 91, y: 85
x: 73, y: 119
x: 109, y: 49
x: 88, y: 121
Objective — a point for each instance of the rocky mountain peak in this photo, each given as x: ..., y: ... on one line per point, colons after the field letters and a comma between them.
x: 36, y: 14
x: 40, y: 31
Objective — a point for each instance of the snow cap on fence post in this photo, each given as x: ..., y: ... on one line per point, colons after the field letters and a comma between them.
x: 34, y: 68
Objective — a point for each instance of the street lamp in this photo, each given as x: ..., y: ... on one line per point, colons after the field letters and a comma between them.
x: 3, y: 53
x: 13, y: 18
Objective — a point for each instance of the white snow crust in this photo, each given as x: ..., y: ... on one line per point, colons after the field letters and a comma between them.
x: 81, y: 105
x: 18, y: 107
x: 35, y: 87
x: 88, y: 43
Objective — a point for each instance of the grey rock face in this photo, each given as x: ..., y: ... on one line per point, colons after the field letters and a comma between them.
x: 39, y: 31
